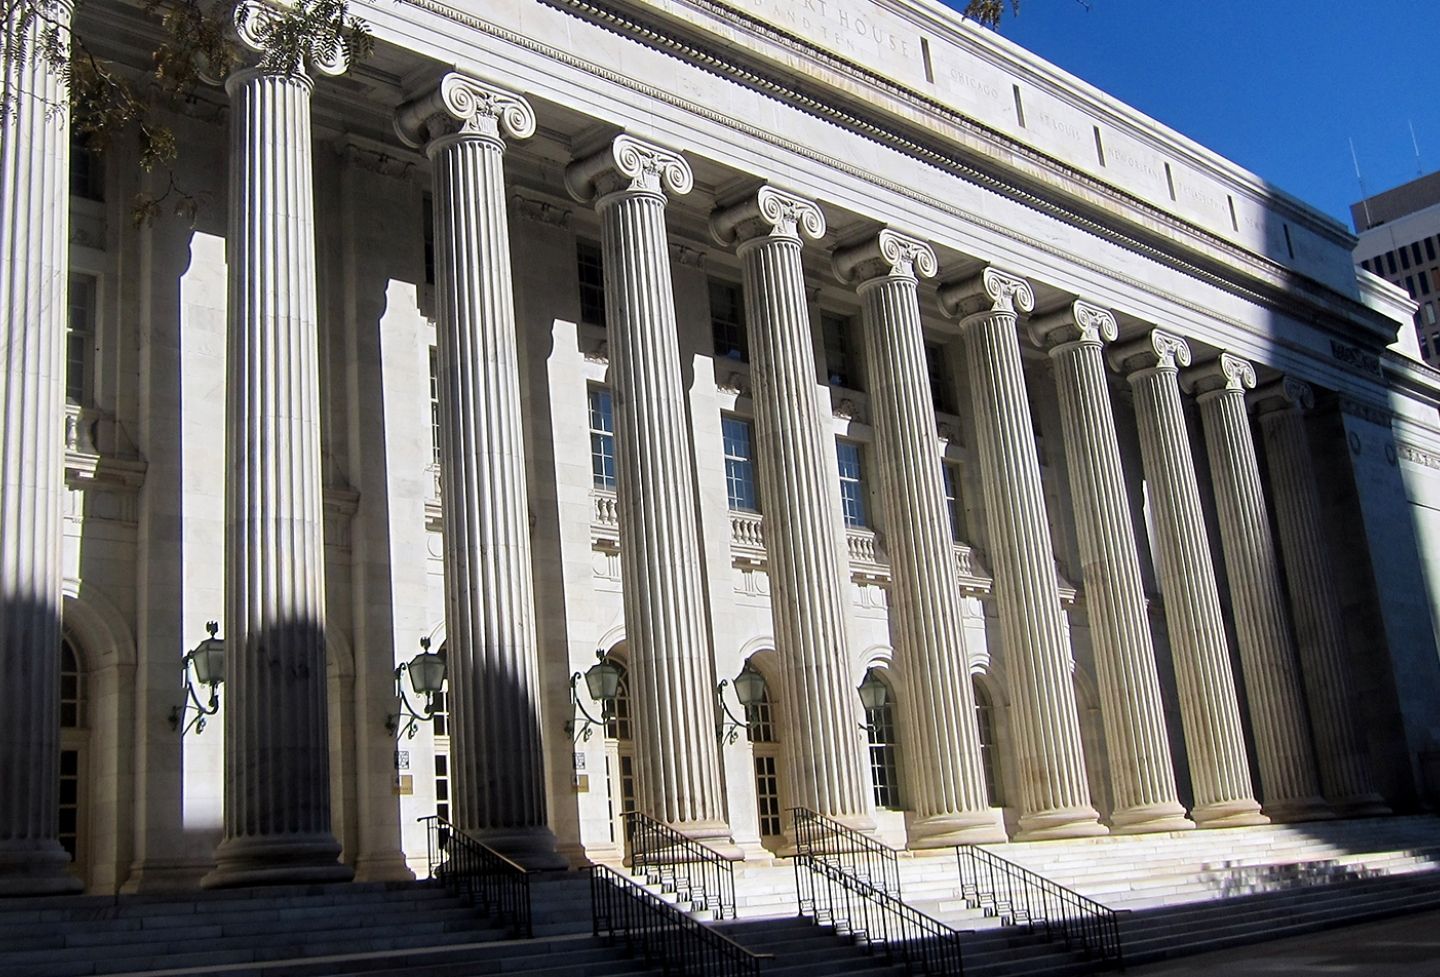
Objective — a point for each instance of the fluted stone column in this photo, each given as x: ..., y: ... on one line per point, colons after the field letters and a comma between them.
x: 277, y: 769
x: 1141, y: 773
x: 1054, y: 793
x: 1209, y: 710
x: 1320, y: 630
x: 945, y: 776
x: 34, y: 276
x: 497, y: 766
x: 666, y: 630
x: 822, y: 753
x: 1289, y: 788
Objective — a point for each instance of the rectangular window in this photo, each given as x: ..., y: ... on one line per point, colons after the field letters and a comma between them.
x: 1415, y: 253
x: 590, y: 269
x: 727, y: 321
x: 1404, y: 260
x: 86, y: 173
x: 852, y: 483
x: 1410, y: 285
x: 1430, y: 248
x: 602, y: 437
x: 767, y: 795
x: 839, y: 361
x: 427, y: 236
x: 434, y: 405
x: 884, y: 771
x: 442, y: 785
x: 1423, y: 280
x: 952, y: 501
x: 939, y: 378
x: 739, y: 464
x: 1390, y: 262
x: 1430, y: 313
x: 80, y: 342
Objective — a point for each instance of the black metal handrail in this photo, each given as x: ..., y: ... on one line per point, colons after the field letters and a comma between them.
x: 1021, y: 897
x: 856, y: 855
x: 696, y: 874
x: 487, y: 879
x: 856, y: 909
x: 652, y: 927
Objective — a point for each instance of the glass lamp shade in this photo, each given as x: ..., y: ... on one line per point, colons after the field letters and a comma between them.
x: 873, y: 692
x: 427, y: 673
x: 208, y: 660
x: 750, y: 687
x: 603, y: 681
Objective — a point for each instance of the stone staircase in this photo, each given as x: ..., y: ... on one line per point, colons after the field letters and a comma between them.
x: 1177, y: 894
x: 377, y: 930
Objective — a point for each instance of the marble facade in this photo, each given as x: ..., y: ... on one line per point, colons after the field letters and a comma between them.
x: 828, y: 340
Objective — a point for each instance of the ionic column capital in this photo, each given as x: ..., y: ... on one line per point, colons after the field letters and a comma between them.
x: 628, y: 164
x: 1156, y: 350
x: 460, y: 104
x: 1287, y: 393
x: 256, y: 24
x: 888, y: 254
x: 1078, y: 322
x: 1224, y: 374
x: 768, y: 213
x: 991, y: 291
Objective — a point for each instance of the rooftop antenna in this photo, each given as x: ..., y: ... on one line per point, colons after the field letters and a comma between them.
x: 1419, y: 170
x: 1364, y: 197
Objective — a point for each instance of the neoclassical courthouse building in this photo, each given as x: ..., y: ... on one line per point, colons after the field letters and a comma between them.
x: 835, y: 341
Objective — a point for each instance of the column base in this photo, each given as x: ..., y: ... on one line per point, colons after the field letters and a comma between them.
x: 1150, y: 818
x: 277, y: 860
x: 38, y: 869
x: 387, y: 866
x: 533, y: 848
x: 1229, y: 814
x: 949, y: 830
x: 1072, y: 822
x: 166, y: 875
x: 1299, y: 809
x: 714, y: 835
x: 1361, y: 806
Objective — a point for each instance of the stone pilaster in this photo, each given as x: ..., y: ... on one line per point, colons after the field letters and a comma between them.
x: 946, y: 781
x: 1315, y: 600
x: 1141, y: 773
x: 801, y: 539
x: 498, y: 768
x: 1054, y: 794
x: 1209, y: 710
x: 277, y: 766
x: 666, y: 632
x: 34, y: 276
x: 1289, y: 789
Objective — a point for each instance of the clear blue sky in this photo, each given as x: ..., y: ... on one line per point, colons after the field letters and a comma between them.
x: 1278, y: 86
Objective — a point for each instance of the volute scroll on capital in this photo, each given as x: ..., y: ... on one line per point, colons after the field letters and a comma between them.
x: 767, y: 212
x: 1156, y: 350
x: 990, y: 291
x: 628, y: 163
x: 888, y: 254
x: 255, y: 23
x: 1078, y: 322
x: 1225, y: 372
x: 462, y: 104
x: 1286, y: 393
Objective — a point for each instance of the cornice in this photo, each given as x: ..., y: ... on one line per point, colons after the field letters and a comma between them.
x: 1273, y: 284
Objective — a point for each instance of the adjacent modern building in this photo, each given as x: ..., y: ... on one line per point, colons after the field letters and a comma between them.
x: 1055, y: 475
x: 1398, y: 236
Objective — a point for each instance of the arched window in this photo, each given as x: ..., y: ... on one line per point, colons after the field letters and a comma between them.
x: 617, y: 727
x: 989, y: 750
x: 441, y: 731
x: 72, y: 740
x: 880, y: 729
x: 760, y: 721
